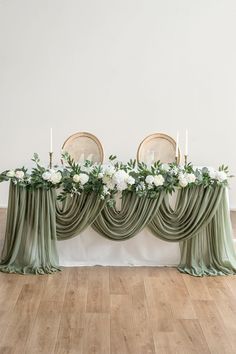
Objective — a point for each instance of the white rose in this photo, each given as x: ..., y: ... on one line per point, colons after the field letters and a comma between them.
x: 83, y: 178
x: 106, y: 179
x: 159, y: 180
x: 110, y: 184
x: 212, y: 172
x: 11, y: 173
x: 130, y: 180
x: 165, y: 167
x: 19, y: 174
x: 183, y: 182
x: 76, y: 178
x: 100, y: 175
x: 149, y: 179
x: 56, y: 178
x: 46, y: 176
x: 221, y: 176
x: 191, y: 178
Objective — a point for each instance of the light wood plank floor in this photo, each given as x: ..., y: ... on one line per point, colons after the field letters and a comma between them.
x: 117, y: 310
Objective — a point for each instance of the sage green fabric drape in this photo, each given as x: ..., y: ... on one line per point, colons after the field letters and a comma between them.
x: 30, y: 240
x: 194, y: 209
x: 211, y: 251
x: 201, y: 221
x: 76, y: 213
x: 135, y: 214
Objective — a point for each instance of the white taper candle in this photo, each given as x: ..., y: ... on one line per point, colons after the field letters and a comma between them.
x: 186, y: 142
x: 177, y: 145
x: 51, y: 140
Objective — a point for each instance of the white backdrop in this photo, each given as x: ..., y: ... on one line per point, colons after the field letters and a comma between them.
x: 118, y: 69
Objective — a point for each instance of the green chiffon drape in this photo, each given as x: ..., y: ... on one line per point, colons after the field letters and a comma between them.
x: 194, y: 209
x: 76, y: 213
x: 30, y: 239
x: 200, y: 222
x: 134, y: 215
x: 211, y: 251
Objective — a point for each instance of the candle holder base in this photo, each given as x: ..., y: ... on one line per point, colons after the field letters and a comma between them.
x: 185, y: 159
x: 50, y: 160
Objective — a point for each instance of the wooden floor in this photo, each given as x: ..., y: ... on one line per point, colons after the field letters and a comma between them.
x: 117, y: 310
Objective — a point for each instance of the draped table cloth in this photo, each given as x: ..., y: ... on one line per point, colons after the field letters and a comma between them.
x: 199, y: 222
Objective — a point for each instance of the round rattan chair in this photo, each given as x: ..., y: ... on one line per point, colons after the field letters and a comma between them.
x: 84, y: 146
x: 156, y: 147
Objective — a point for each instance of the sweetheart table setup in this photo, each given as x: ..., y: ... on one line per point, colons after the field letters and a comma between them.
x: 153, y: 197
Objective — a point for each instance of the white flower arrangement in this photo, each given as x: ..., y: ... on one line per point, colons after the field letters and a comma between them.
x: 108, y: 179
x: 20, y: 175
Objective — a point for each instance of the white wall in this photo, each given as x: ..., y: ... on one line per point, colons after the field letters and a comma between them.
x: 121, y: 70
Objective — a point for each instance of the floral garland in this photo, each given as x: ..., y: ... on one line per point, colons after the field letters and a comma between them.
x: 108, y: 179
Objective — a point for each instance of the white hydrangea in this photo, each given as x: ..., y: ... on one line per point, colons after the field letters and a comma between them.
x: 56, y: 177
x: 83, y: 178
x: 19, y: 174
x: 159, y: 180
x: 76, y: 178
x: 149, y: 179
x: 11, y: 173
x: 120, y: 180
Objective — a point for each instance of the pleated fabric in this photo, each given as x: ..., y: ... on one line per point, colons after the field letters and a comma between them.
x: 194, y: 209
x: 211, y: 251
x: 30, y: 239
x: 76, y: 213
x: 134, y: 215
x: 200, y: 222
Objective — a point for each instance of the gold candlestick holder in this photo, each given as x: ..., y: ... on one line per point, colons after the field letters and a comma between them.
x: 185, y: 159
x: 50, y: 160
